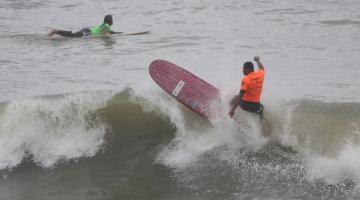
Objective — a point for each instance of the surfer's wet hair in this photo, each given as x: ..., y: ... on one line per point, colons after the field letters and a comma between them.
x: 248, y: 67
x: 108, y: 20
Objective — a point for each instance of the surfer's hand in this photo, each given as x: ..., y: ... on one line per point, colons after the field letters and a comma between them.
x: 231, y: 113
x: 256, y: 58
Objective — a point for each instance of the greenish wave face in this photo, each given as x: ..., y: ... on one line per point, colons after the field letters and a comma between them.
x: 100, y: 118
x: 126, y: 145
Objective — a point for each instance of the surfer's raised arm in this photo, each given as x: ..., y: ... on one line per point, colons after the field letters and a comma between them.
x: 259, y: 64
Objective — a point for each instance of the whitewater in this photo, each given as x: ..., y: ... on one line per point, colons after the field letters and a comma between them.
x: 82, y: 119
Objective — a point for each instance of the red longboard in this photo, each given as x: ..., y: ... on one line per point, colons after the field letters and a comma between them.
x: 184, y: 86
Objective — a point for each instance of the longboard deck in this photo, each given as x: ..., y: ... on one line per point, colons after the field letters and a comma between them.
x: 137, y: 33
x: 184, y: 86
x: 124, y: 34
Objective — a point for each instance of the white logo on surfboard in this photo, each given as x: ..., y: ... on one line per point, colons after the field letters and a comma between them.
x: 178, y: 88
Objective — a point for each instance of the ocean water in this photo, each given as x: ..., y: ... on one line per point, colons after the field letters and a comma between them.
x: 80, y: 118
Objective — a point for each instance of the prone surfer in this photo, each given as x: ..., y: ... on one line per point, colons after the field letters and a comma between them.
x: 103, y: 29
x: 250, y: 90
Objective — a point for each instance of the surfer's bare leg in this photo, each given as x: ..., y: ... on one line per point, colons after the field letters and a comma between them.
x: 51, y: 32
x: 265, y: 127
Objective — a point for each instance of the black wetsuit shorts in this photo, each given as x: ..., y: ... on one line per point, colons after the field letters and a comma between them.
x: 254, y: 107
x: 82, y: 32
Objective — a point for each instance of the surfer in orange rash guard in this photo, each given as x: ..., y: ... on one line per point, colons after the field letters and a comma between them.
x: 250, y: 90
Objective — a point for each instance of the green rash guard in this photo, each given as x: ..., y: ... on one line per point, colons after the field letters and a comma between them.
x: 103, y: 29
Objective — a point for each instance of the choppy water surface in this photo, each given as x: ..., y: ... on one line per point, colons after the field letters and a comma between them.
x: 82, y: 119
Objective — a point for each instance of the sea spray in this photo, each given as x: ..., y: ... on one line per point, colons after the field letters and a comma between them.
x: 50, y: 129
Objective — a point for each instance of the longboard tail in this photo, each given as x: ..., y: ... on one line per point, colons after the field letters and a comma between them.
x: 184, y: 86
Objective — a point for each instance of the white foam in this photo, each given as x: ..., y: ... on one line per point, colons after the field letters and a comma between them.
x: 336, y: 169
x: 51, y: 129
x: 190, y: 144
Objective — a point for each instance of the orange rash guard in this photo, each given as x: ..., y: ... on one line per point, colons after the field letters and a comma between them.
x: 252, y: 84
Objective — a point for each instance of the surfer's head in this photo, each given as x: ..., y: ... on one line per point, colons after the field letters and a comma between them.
x: 108, y: 20
x: 248, y: 68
